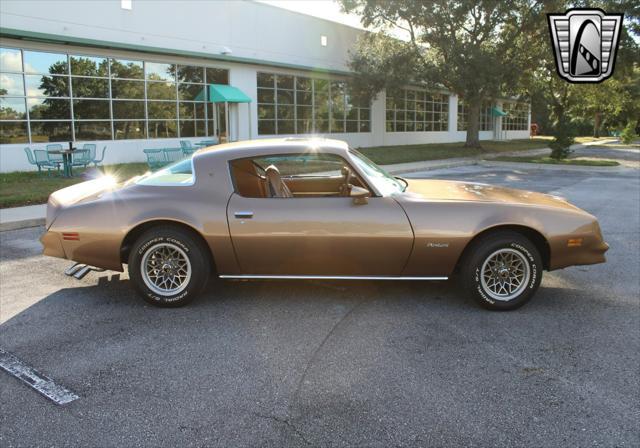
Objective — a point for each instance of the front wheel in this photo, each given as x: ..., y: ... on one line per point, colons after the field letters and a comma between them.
x: 168, y: 266
x: 502, y: 271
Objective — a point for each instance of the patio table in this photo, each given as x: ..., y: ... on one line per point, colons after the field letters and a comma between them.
x: 66, y: 160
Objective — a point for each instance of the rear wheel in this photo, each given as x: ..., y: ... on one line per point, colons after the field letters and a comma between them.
x: 168, y: 266
x: 502, y: 271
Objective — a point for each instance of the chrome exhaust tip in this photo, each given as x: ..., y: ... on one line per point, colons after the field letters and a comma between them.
x: 80, y: 270
x: 74, y: 268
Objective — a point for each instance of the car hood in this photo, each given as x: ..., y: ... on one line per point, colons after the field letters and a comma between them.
x: 442, y: 190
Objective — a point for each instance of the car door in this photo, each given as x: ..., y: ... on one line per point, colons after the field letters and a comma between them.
x: 319, y: 235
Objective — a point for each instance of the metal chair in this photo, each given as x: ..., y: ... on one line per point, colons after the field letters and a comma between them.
x: 57, y: 159
x: 187, y: 147
x: 97, y: 161
x: 81, y: 157
x: 42, y: 160
x: 92, y: 150
x: 155, y: 158
x: 173, y: 154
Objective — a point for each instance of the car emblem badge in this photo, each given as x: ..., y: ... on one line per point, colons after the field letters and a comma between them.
x: 585, y: 42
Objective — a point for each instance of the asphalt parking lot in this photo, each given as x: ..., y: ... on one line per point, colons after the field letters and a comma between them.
x: 373, y: 364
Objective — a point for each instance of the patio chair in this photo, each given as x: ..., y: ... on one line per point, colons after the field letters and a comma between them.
x: 97, y: 161
x: 56, y: 159
x: 155, y: 158
x: 187, y: 148
x: 92, y: 150
x: 42, y: 160
x: 81, y: 157
x: 173, y: 154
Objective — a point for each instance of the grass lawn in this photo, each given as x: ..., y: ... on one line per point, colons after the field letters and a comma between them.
x: 29, y: 188
x: 387, y: 155
x: 550, y: 161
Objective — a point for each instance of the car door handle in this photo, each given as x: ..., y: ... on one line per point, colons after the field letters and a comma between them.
x: 243, y: 215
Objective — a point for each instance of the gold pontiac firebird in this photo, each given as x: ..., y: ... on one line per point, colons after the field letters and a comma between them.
x: 314, y: 209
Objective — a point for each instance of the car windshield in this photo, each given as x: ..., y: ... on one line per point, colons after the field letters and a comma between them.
x: 179, y: 173
x: 384, y: 182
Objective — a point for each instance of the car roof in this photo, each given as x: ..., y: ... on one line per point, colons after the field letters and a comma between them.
x: 261, y: 147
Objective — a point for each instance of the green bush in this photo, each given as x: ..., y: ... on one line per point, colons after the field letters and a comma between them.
x: 628, y: 134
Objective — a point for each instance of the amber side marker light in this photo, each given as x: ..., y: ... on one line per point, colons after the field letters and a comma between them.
x: 574, y: 242
x: 71, y: 236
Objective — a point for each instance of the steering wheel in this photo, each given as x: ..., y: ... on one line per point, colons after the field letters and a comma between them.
x: 345, y: 185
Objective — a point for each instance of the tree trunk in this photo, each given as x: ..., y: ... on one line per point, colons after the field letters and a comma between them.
x: 597, y: 122
x: 473, y: 125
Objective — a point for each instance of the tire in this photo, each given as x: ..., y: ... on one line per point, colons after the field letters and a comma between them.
x: 182, y: 266
x: 512, y: 268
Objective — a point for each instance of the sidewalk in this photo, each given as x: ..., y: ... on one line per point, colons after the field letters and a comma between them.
x: 34, y: 215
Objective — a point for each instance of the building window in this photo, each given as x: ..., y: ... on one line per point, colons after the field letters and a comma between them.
x: 412, y: 110
x: 323, y: 40
x: 290, y: 104
x: 47, y: 96
x: 486, y: 119
x: 517, y: 118
x: 126, y: 4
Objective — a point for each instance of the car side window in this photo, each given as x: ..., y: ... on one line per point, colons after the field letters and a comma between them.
x: 291, y: 176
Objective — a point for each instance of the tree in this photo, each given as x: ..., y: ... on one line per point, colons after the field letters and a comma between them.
x: 478, y: 50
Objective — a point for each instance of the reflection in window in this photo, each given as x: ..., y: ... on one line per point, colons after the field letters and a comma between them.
x: 217, y: 76
x: 160, y: 72
x: 49, y: 109
x: 51, y: 131
x: 161, y: 110
x: 125, y: 89
x: 56, y: 86
x: 486, y: 119
x: 413, y: 110
x: 161, y: 91
x: 11, y: 84
x: 91, y: 109
x: 192, y: 128
x: 93, y: 130
x: 517, y: 118
x: 13, y: 132
x: 44, y: 62
x: 90, y: 87
x: 10, y: 60
x: 192, y: 111
x: 12, y: 109
x: 121, y: 68
x: 128, y: 110
x: 163, y: 129
x: 125, y: 130
x: 191, y: 74
x: 89, y: 66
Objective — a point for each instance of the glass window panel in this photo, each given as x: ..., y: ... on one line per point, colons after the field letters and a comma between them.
x: 127, y: 89
x: 266, y: 127
x: 365, y: 126
x: 364, y: 114
x: 89, y: 66
x: 191, y: 91
x: 13, y: 132
x: 285, y: 112
x: 192, y: 111
x: 93, y: 130
x: 163, y: 129
x: 44, y: 62
x: 10, y: 60
x: 419, y: 127
x: 266, y: 96
x: 352, y: 126
x: 304, y: 126
x: 49, y: 109
x: 90, y: 87
x: 123, y: 68
x: 305, y: 112
x: 128, y: 109
x: 11, y: 84
x: 47, y: 85
x: 266, y: 112
x: 266, y: 80
x: 161, y: 91
x: 304, y: 98
x: 50, y: 131
x: 91, y: 109
x: 190, y: 73
x: 352, y: 113
x: 217, y: 75
x: 158, y: 110
x: 125, y: 130
x: 303, y: 84
x: 12, y: 109
x: 195, y: 128
x: 160, y: 72
x: 284, y: 82
x: 286, y: 127
x: 285, y: 97
x: 409, y: 126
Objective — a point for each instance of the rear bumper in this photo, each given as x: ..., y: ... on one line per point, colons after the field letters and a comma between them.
x: 590, y: 254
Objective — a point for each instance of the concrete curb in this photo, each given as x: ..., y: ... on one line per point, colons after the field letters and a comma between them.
x: 22, y: 217
x: 548, y: 166
x: 24, y: 224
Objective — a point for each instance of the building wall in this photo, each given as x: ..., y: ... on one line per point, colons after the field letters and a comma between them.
x: 192, y: 32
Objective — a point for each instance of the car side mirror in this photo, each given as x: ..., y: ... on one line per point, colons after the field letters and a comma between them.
x: 360, y: 195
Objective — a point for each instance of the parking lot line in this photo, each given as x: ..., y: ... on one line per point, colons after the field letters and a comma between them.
x: 44, y: 385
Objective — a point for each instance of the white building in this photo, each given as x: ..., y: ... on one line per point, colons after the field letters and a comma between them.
x: 130, y: 75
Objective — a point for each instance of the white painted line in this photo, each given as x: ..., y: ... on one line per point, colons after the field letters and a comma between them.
x: 44, y: 385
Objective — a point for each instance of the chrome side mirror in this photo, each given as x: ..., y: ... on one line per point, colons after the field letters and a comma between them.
x: 360, y: 195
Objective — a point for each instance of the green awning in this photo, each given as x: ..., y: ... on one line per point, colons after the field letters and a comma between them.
x: 221, y: 93
x: 497, y: 112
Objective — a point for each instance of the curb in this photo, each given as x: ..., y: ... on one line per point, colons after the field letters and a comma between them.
x: 431, y: 167
x: 24, y: 224
x: 548, y: 166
